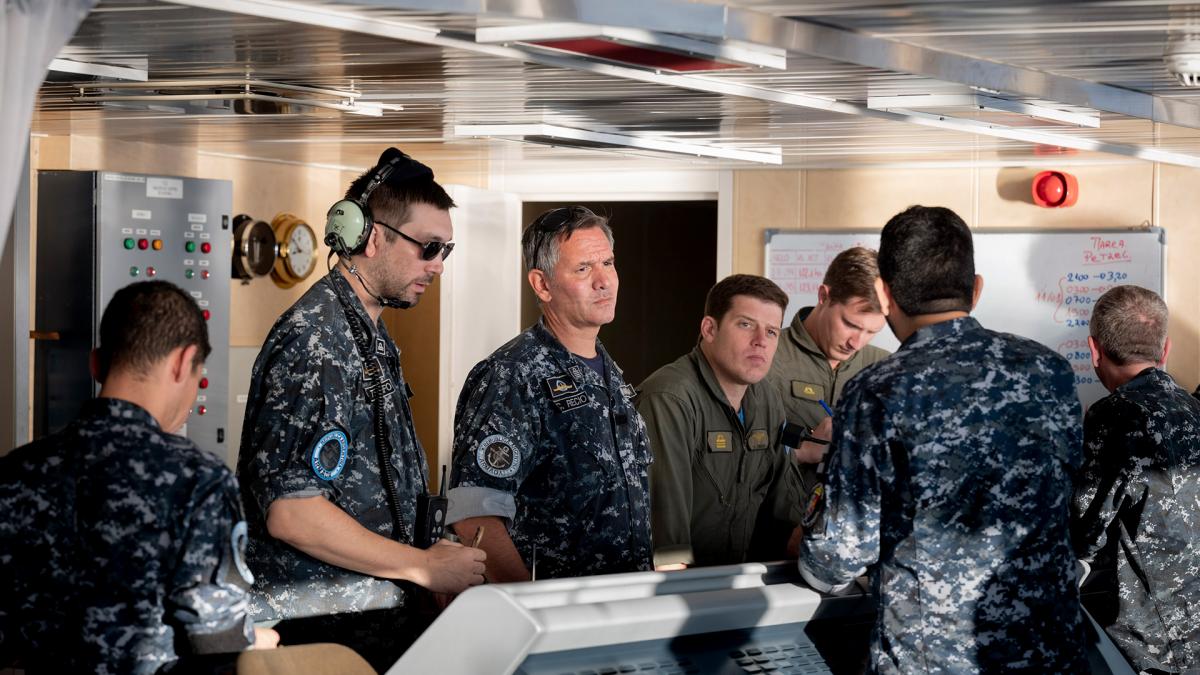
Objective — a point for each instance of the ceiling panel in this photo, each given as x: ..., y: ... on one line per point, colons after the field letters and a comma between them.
x: 441, y: 86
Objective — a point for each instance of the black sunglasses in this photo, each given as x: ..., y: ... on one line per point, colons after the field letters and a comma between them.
x: 429, y: 249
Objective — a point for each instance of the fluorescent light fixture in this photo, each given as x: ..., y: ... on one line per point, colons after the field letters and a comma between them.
x: 633, y: 46
x: 100, y: 70
x: 213, y: 96
x: 549, y: 134
x: 932, y: 103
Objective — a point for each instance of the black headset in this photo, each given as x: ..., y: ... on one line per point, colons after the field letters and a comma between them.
x: 349, y: 222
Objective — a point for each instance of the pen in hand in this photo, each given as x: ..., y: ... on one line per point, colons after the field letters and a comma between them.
x: 478, y: 537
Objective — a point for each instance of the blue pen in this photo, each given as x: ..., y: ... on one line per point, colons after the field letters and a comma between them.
x: 825, y: 405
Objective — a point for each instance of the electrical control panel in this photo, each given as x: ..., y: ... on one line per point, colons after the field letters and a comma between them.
x: 99, y: 231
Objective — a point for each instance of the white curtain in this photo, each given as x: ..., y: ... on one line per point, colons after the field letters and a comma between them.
x: 31, y: 34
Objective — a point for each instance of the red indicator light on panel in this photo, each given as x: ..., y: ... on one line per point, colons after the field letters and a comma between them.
x: 207, y: 315
x: 1055, y: 189
x: 143, y: 244
x: 204, y: 383
x: 150, y: 271
x: 200, y: 410
x: 203, y: 274
x: 206, y: 247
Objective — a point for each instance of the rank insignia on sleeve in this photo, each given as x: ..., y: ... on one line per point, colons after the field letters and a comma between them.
x: 560, y: 386
x: 758, y: 439
x: 329, y: 454
x: 498, y: 457
x: 719, y: 441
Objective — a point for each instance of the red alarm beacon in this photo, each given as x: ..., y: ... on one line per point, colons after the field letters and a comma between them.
x: 1055, y: 189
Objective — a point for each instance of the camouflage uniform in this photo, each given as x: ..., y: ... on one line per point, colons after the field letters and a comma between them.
x: 309, y: 432
x: 541, y: 440
x: 949, y: 480
x: 1137, y: 499
x: 712, y: 472
x: 803, y: 377
x: 120, y: 548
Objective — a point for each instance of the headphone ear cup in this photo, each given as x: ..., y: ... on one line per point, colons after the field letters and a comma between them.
x: 347, y: 226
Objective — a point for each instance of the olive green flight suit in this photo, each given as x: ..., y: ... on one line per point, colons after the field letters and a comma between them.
x: 802, y: 376
x: 712, y: 474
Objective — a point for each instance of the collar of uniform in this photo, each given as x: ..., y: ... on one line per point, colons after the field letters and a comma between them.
x: 566, y: 358
x: 341, y: 286
x: 959, y: 326
x: 800, y: 336
x: 1150, y: 378
x: 117, y: 407
x: 707, y: 376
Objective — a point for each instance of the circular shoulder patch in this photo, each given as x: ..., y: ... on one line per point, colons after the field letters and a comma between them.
x: 329, y: 454
x: 237, y: 543
x: 498, y: 457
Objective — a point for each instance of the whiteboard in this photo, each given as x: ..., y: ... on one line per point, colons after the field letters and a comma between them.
x: 1040, y: 285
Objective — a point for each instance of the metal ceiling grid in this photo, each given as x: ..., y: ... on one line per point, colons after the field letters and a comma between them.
x: 441, y: 86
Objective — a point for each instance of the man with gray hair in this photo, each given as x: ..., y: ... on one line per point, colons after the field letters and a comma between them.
x: 1137, y: 495
x: 550, y: 455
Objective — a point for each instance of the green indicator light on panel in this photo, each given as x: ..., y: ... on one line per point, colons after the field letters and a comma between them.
x: 189, y: 273
x: 190, y: 247
x: 129, y: 243
x: 133, y: 271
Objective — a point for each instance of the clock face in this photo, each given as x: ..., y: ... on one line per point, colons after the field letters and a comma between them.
x: 302, y: 244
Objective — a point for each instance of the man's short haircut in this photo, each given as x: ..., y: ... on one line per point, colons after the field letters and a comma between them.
x: 143, y: 323
x: 392, y: 202
x: 852, y: 275
x: 1130, y: 325
x: 720, y: 297
x: 542, y: 240
x: 927, y: 258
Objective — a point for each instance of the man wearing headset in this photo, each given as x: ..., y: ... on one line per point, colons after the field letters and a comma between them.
x: 330, y: 476
x: 550, y: 455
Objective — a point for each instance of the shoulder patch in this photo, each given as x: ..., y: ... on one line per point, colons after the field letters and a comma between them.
x: 237, y: 543
x: 498, y: 457
x: 329, y: 454
x: 808, y: 390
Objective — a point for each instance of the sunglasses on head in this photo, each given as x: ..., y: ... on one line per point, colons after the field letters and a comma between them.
x: 429, y: 249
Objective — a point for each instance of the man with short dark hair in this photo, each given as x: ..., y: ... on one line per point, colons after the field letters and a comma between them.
x: 715, y: 428
x: 822, y: 350
x: 121, y: 545
x: 550, y: 454
x: 330, y: 465
x: 1137, y: 496
x: 949, y: 476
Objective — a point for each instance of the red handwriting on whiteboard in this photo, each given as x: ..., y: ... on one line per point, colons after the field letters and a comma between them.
x: 1104, y: 250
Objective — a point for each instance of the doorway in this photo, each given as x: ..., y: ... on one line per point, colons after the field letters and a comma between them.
x: 667, y: 260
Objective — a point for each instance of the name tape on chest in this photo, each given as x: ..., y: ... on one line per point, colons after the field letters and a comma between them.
x: 329, y: 454
x: 498, y: 457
